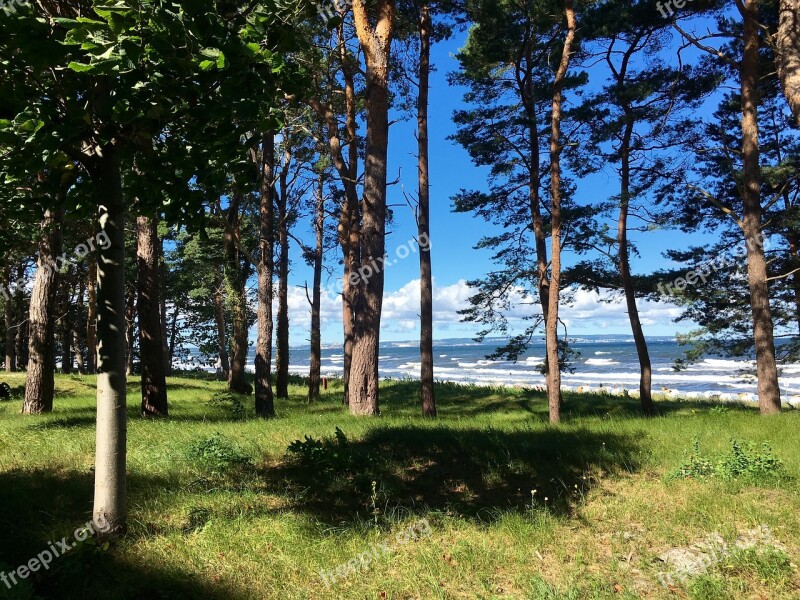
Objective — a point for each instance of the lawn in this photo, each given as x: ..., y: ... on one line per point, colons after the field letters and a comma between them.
x: 488, y: 501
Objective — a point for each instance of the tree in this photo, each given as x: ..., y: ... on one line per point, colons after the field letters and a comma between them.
x: 788, y: 49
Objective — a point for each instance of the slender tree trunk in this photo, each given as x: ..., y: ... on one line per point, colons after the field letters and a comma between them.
x: 265, y: 403
x: 79, y: 328
x: 166, y: 351
x: 368, y: 304
x: 551, y: 327
x: 91, y: 316
x: 110, y: 477
x: 282, y: 346
x: 769, y: 395
x: 130, y: 325
x: 173, y: 337
x: 66, y: 325
x: 151, y: 343
x: 10, y: 324
x: 315, y: 371
x: 428, y: 400
x: 645, y: 366
x: 40, y: 382
x: 794, y: 251
x: 237, y: 380
x: 219, y: 320
x: 23, y: 330
x: 788, y: 43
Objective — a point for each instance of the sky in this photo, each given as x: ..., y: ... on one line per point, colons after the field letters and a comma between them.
x: 453, y: 237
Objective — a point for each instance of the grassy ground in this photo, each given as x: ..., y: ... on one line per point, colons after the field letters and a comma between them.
x: 513, y: 507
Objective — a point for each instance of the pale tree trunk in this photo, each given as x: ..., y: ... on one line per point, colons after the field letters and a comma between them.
x: 219, y: 321
x: 130, y: 325
x: 282, y: 334
x: 91, y: 317
x: 645, y: 366
x: 40, y: 381
x: 66, y: 324
x: 236, y: 284
x: 10, y: 324
x: 315, y: 370
x: 166, y: 349
x: 110, y: 477
x: 376, y: 43
x: 769, y: 396
x: 427, y: 398
x: 151, y: 343
x: 265, y: 403
x: 788, y: 55
x: 551, y: 327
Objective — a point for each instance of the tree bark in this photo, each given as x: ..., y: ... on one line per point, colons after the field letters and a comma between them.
x: 315, y: 370
x: 151, y: 342
x: 91, y: 317
x: 23, y: 330
x: 40, y: 381
x: 219, y: 320
x: 282, y: 342
x: 130, y: 327
x: 645, y: 366
x: 66, y: 324
x: 769, y: 396
x: 788, y: 55
x: 551, y: 327
x: 78, y: 330
x: 166, y: 337
x: 265, y: 404
x: 10, y: 324
x: 110, y: 476
x: 427, y: 397
x: 363, y: 392
x: 236, y: 283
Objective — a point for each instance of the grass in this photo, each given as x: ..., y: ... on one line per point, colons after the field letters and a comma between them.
x: 218, y: 508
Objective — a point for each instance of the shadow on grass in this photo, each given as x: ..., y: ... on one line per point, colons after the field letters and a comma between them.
x: 473, y: 473
x: 41, y: 507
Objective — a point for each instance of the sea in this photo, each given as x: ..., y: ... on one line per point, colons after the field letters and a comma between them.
x: 604, y: 363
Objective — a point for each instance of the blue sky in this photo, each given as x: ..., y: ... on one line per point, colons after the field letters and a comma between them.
x: 453, y: 237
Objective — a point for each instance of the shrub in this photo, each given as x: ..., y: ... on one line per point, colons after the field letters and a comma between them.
x: 218, y: 455
x: 323, y: 454
x: 743, y: 460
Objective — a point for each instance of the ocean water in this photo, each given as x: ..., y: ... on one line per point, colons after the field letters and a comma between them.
x: 607, y: 362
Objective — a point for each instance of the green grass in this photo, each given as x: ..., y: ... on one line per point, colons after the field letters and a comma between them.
x: 517, y: 509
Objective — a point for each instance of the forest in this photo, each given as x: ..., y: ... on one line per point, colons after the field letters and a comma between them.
x: 204, y: 206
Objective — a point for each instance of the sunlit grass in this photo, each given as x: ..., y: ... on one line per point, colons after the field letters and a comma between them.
x: 517, y: 508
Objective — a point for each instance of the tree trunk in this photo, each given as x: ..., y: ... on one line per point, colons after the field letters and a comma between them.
x: 788, y: 55
x: 265, y: 403
x: 363, y: 392
x: 551, y: 327
x: 91, y: 317
x: 166, y: 337
x: 219, y: 320
x: 10, y: 324
x: 79, y: 327
x: 110, y: 477
x: 130, y: 327
x: 315, y: 370
x: 66, y: 324
x: 645, y: 366
x: 237, y: 379
x: 428, y: 400
x: 151, y: 343
x: 23, y: 329
x: 769, y: 396
x: 40, y: 381
x: 282, y: 342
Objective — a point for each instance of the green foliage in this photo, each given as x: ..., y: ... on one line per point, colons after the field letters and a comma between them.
x: 326, y: 454
x: 743, y: 460
x: 231, y: 403
x: 218, y: 455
